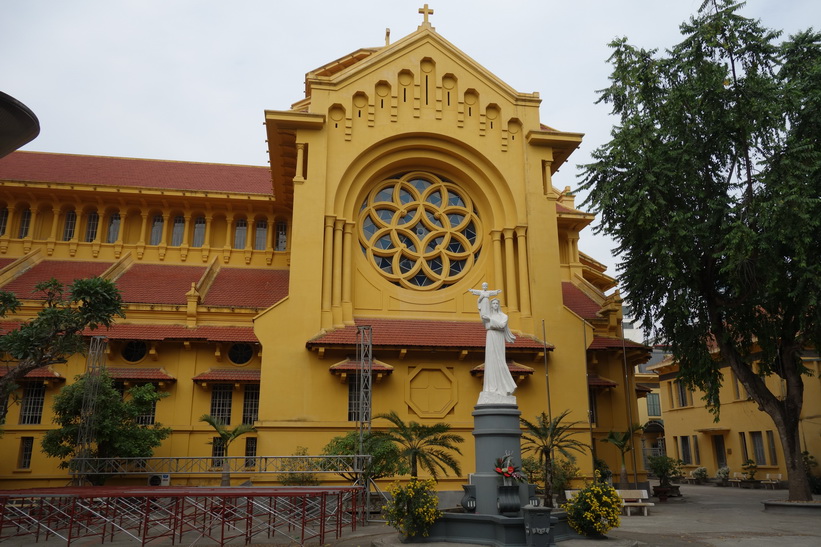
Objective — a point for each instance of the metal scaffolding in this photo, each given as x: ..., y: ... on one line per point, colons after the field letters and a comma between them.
x: 296, y: 515
x: 86, y: 434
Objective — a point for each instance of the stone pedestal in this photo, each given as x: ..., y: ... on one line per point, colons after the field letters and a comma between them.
x: 496, y: 432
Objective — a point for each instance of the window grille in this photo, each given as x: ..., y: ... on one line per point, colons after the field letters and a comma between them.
x: 70, y: 226
x: 217, y: 452
x: 250, y: 404
x: 31, y: 408
x: 354, y: 395
x: 156, y: 230
x: 26, y: 449
x: 178, y: 231
x: 4, y: 220
x: 150, y: 415
x: 653, y: 404
x: 221, y: 395
x: 240, y: 233
x: 113, y: 228
x: 282, y: 236
x: 261, y: 235
x: 686, y: 455
x: 92, y: 222
x: 25, y: 221
x: 250, y: 451
x: 199, y: 232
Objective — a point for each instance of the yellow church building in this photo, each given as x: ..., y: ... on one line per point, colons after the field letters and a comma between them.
x: 407, y: 175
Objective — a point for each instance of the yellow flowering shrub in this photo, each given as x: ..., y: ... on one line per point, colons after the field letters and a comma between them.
x: 594, y: 510
x: 413, y: 508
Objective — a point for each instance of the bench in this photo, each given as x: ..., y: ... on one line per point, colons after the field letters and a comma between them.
x: 736, y: 480
x: 691, y: 479
x: 773, y: 480
x: 634, y: 498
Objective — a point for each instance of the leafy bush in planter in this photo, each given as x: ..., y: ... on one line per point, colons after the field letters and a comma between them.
x: 413, y: 508
x: 723, y: 473
x: 700, y: 473
x: 594, y: 510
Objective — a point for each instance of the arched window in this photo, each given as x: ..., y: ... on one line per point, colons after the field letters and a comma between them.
x: 240, y: 233
x: 178, y: 231
x: 92, y: 221
x: 156, y: 230
x: 261, y: 235
x: 113, y: 228
x: 25, y: 222
x: 199, y: 232
x: 70, y: 226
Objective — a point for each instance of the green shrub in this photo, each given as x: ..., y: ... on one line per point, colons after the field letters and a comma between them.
x: 594, y: 510
x: 413, y: 508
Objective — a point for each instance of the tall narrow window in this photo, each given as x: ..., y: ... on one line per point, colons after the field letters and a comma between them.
x: 31, y: 407
x: 250, y: 451
x: 92, y: 221
x: 261, y: 235
x: 221, y: 395
x: 156, y: 230
x: 250, y: 404
x: 592, y: 411
x: 759, y: 454
x: 282, y: 236
x: 683, y: 399
x: 240, y: 233
x: 696, y: 454
x: 653, y: 404
x: 113, y: 228
x: 70, y: 225
x: 26, y: 448
x: 217, y: 451
x: 354, y: 398
x: 4, y: 220
x: 686, y: 455
x: 773, y: 448
x: 178, y: 231
x: 742, y: 439
x: 25, y: 222
x: 199, y: 232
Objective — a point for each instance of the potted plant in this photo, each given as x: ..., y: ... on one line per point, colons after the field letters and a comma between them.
x: 700, y: 475
x: 722, y: 476
x: 594, y: 510
x: 750, y: 468
x: 664, y: 468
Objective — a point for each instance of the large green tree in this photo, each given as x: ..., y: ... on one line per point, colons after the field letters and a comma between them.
x: 711, y: 187
x: 549, y: 438
x: 55, y: 333
x: 117, y: 431
x: 426, y: 446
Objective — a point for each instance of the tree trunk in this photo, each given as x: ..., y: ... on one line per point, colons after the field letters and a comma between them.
x: 226, y: 471
x: 548, y: 483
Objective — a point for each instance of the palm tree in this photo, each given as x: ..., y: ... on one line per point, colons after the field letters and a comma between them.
x: 546, y: 437
x: 428, y: 446
x: 227, y: 436
x: 623, y: 440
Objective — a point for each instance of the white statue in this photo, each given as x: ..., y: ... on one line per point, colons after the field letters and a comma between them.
x: 483, y: 303
x: 498, y: 383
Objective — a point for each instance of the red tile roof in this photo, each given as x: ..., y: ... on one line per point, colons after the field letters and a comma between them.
x: 594, y: 380
x: 64, y: 271
x: 352, y: 365
x: 605, y: 342
x: 244, y: 288
x: 120, y: 331
x: 419, y: 333
x: 42, y: 372
x: 228, y: 375
x: 5, y: 262
x: 578, y: 302
x: 514, y: 367
x: 141, y: 173
x: 150, y: 374
x: 8, y: 326
x: 158, y: 283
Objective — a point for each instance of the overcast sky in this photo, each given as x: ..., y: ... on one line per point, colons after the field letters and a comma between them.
x: 190, y: 79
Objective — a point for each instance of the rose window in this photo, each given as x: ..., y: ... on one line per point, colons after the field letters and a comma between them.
x: 420, y: 231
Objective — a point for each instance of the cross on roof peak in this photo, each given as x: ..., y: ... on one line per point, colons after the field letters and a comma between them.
x: 425, y: 11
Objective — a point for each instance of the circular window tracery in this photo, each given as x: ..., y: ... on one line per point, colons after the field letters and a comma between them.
x: 134, y: 351
x: 420, y: 231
